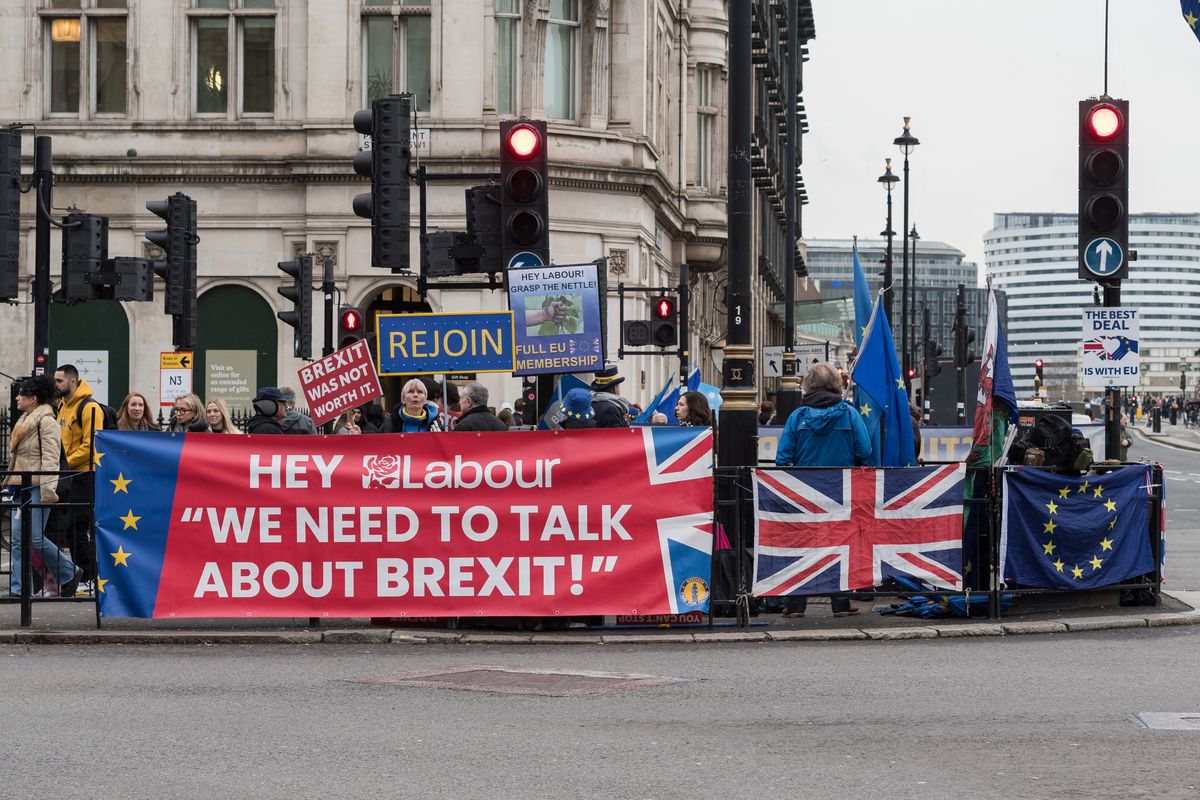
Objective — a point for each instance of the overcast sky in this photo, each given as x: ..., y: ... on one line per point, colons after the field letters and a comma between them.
x: 993, y: 89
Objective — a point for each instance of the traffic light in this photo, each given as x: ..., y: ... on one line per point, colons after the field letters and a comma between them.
x: 1103, y: 189
x: 10, y: 212
x: 636, y: 332
x: 665, y: 321
x: 178, y: 241
x: 912, y: 373
x: 933, y: 352
x: 524, y: 185
x: 389, y: 124
x: 350, y: 326
x: 84, y: 249
x: 1183, y: 381
x: 1037, y: 371
x: 300, y: 293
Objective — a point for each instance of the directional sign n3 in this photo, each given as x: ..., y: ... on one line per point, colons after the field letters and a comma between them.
x: 1103, y: 257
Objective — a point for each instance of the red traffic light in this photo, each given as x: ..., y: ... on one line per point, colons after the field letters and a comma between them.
x: 912, y: 373
x: 664, y: 307
x: 1104, y: 121
x: 351, y: 320
x: 1038, y: 364
x: 524, y: 142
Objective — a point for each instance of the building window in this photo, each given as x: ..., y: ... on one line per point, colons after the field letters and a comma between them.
x: 233, y: 43
x: 396, y: 51
x: 562, y: 54
x: 706, y: 125
x: 86, y: 63
x: 508, y: 27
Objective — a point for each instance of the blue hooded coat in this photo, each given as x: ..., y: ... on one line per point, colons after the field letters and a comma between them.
x: 825, y: 431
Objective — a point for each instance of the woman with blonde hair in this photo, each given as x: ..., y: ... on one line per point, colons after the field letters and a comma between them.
x: 188, y: 416
x: 217, y: 415
x: 134, y: 414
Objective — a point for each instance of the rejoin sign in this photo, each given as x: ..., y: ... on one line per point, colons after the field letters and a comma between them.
x: 427, y: 344
x: 1110, y: 348
x: 340, y: 381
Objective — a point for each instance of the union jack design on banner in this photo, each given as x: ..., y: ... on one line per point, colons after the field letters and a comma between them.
x: 824, y: 530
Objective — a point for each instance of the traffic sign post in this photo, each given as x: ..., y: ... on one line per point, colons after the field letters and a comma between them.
x: 174, y: 376
x: 1104, y: 257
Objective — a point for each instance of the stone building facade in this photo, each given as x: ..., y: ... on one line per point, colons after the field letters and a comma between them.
x: 245, y: 105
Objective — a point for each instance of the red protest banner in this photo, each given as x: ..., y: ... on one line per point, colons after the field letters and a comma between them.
x: 577, y: 523
x: 342, y: 380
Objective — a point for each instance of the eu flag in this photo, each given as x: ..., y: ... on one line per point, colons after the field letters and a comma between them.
x: 862, y: 297
x: 1191, y: 15
x: 1061, y: 532
x: 881, y: 397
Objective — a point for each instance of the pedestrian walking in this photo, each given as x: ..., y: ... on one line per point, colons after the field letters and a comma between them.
x: 824, y: 431
x: 80, y: 415
x: 35, y: 444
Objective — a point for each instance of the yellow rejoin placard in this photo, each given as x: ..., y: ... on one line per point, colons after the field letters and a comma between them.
x: 175, y: 360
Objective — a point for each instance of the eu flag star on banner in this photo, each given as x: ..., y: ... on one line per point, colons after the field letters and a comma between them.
x: 135, y: 488
x: 1191, y: 15
x: 1062, y: 532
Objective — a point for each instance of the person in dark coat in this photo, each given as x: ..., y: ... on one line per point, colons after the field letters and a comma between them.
x: 824, y: 431
x: 269, y: 409
x: 475, y: 414
x: 612, y: 410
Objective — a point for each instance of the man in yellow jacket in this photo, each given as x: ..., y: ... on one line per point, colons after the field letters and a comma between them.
x: 78, y: 423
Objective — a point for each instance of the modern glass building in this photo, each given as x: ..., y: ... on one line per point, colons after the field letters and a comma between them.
x: 1033, y: 258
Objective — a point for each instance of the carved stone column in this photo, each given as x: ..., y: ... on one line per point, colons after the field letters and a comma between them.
x: 595, y: 57
x: 533, y: 58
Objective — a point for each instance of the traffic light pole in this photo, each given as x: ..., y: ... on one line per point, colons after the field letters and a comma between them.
x: 684, y: 341
x: 44, y: 182
x: 1112, y: 395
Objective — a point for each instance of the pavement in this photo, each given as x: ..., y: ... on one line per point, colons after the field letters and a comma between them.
x: 1176, y: 436
x: 73, y: 622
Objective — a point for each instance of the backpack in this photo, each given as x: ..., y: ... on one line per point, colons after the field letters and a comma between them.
x: 110, y: 416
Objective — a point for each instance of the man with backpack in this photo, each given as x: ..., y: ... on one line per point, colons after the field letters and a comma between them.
x: 79, y: 417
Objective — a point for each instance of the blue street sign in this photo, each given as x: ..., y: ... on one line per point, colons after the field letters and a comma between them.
x: 1103, y: 257
x: 525, y: 259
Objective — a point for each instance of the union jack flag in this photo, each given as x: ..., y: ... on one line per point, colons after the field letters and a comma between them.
x: 824, y: 530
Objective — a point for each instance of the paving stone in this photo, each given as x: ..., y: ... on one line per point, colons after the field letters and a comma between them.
x: 900, y: 633
x: 404, y: 638
x: 816, y: 636
x: 1018, y: 628
x: 733, y: 636
x: 648, y: 638
x: 568, y: 638
x: 432, y: 637
x: 1159, y: 620
x: 1104, y: 623
x: 976, y: 629
x: 372, y: 636
x: 168, y: 637
x: 496, y: 638
x: 8, y: 637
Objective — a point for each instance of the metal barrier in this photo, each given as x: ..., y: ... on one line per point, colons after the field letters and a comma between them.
x: 19, y: 501
x: 734, y: 509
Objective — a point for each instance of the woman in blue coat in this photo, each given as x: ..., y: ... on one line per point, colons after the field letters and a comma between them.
x: 825, y: 431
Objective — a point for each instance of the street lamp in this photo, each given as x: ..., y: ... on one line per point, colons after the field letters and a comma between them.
x: 907, y: 143
x: 888, y: 179
x: 915, y: 237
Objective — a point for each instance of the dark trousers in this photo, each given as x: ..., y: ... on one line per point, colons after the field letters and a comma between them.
x: 71, y: 527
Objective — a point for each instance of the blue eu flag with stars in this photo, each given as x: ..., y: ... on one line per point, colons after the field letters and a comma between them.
x: 1191, y: 15
x: 1063, y: 532
x: 880, y: 395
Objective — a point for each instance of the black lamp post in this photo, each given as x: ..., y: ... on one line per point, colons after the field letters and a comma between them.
x: 888, y: 179
x: 907, y: 143
x: 913, y: 339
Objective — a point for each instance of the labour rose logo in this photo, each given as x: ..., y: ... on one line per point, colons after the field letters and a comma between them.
x: 381, y: 471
